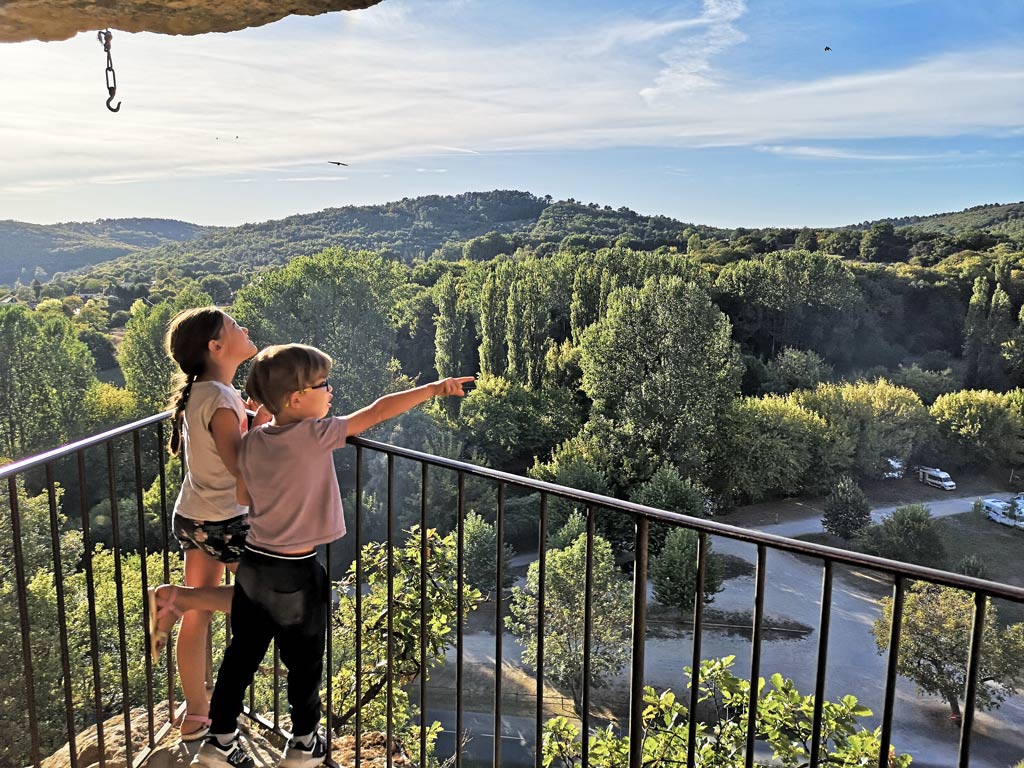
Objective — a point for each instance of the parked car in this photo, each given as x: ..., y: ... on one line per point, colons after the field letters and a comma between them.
x: 935, y: 478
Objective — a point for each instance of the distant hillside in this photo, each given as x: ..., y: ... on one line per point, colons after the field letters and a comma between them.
x: 997, y: 218
x: 474, y: 225
x: 64, y: 247
x: 478, y: 225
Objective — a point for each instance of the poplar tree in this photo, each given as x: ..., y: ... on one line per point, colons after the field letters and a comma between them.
x: 975, y: 333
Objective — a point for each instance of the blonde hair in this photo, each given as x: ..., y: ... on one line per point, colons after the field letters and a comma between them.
x: 187, y: 343
x: 279, y: 370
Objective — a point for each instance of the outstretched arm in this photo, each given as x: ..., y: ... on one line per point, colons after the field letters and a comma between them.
x: 389, y: 406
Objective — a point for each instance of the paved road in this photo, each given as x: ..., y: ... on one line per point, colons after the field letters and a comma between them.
x: 921, y: 724
x: 811, y: 523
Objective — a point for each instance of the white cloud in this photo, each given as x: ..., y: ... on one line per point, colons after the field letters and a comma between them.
x: 378, y: 88
x: 840, y: 153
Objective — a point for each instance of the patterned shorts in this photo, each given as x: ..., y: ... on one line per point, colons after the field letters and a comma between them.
x: 223, y: 540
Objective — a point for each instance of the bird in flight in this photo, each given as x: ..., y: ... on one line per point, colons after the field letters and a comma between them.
x: 337, y: 162
x: 827, y: 48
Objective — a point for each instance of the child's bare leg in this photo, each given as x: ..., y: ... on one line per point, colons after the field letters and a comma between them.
x: 204, y: 574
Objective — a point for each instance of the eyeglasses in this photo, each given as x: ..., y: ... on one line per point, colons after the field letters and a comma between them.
x: 325, y: 385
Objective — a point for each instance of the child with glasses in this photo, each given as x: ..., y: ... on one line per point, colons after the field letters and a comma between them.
x: 287, y: 476
x: 207, y: 425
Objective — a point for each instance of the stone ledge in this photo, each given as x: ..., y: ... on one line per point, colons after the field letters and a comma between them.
x: 50, y: 20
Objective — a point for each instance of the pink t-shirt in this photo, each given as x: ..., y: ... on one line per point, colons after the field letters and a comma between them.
x: 289, y: 472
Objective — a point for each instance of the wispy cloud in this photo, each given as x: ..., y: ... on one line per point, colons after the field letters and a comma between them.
x: 406, y: 81
x: 839, y: 153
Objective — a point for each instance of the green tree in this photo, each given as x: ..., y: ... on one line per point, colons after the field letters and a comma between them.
x: 784, y: 723
x: 481, y: 556
x: 796, y: 369
x: 979, y: 428
x: 773, y: 446
x: 402, y: 664
x: 147, y: 368
x: 847, y: 510
x: 586, y: 299
x: 45, y: 372
x: 909, y: 534
x: 1000, y: 333
x: 449, y: 325
x: 526, y: 328
x: 493, y: 314
x: 975, y: 340
x: 661, y: 367
x: 509, y: 423
x: 563, y: 616
x: 877, y: 420
x: 935, y: 640
x: 338, y: 301
x: 806, y: 240
x: 668, y: 489
x: 674, y: 572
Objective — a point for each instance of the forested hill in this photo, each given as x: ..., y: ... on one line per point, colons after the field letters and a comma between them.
x: 68, y: 246
x: 1005, y: 218
x: 473, y: 225
x: 476, y: 224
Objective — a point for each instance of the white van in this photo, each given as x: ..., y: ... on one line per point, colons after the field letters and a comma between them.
x: 936, y: 478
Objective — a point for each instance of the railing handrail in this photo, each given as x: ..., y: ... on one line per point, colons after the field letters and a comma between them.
x: 40, y: 459
x: 795, y: 546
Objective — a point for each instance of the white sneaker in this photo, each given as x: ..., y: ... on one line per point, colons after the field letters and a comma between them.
x: 213, y: 755
x: 298, y: 756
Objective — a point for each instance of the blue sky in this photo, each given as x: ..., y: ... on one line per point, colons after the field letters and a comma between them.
x: 722, y: 112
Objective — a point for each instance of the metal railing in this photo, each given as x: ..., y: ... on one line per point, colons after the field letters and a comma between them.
x: 110, y: 691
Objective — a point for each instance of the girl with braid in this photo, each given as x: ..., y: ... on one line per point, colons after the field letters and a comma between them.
x: 208, y: 422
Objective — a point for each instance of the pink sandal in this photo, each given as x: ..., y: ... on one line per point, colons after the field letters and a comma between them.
x: 198, y: 733
x: 158, y: 608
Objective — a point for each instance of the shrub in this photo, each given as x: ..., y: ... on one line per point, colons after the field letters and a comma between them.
x: 846, y: 510
x: 674, y: 571
x: 909, y: 534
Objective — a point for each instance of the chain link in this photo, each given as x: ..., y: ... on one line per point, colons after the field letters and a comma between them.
x: 105, y: 36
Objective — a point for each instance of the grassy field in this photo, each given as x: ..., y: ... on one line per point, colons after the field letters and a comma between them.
x: 999, y: 547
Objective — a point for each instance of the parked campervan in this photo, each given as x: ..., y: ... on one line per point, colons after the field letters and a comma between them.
x: 999, y: 511
x: 936, y: 478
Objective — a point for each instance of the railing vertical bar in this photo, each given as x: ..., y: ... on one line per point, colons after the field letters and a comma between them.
x: 26, y: 642
x: 973, y: 666
x: 542, y: 539
x: 329, y: 666
x: 498, y: 635
x: 166, y: 548
x: 698, y: 631
x: 115, y: 524
x: 588, y: 622
x: 755, y: 654
x: 62, y: 619
x: 359, y: 604
x: 423, y: 616
x: 90, y: 589
x: 277, y: 686
x: 390, y: 707
x: 636, y: 672
x: 144, y: 573
x: 892, y: 665
x: 460, y: 609
x: 819, y: 679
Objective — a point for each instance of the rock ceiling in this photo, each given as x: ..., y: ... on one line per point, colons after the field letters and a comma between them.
x: 47, y: 20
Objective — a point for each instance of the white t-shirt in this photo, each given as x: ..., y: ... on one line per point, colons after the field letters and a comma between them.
x: 208, y: 489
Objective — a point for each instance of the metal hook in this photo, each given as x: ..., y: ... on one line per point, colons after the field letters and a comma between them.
x: 113, y: 109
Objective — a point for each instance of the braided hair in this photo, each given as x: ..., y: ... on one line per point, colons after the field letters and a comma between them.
x: 187, y: 343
